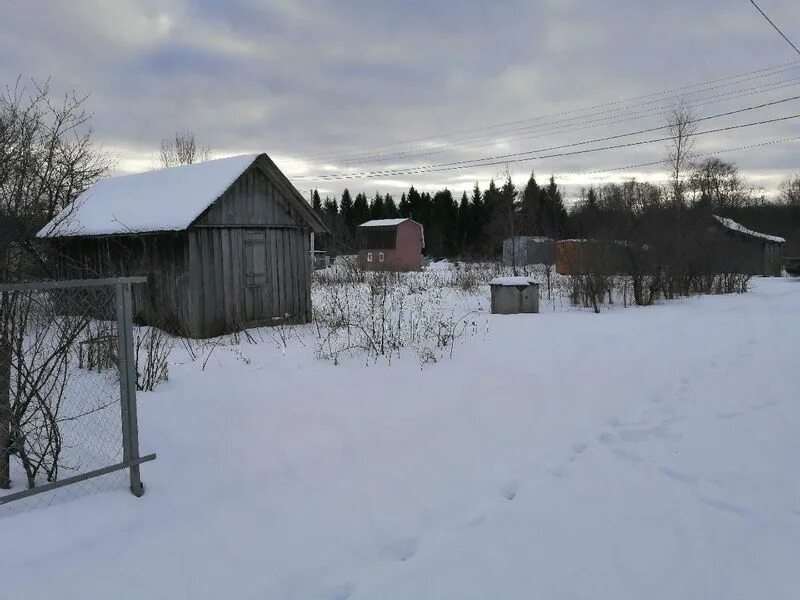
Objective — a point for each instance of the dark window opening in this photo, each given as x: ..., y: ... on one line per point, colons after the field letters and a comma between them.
x: 377, y: 239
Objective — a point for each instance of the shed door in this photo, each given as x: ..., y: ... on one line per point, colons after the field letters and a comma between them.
x: 255, y: 274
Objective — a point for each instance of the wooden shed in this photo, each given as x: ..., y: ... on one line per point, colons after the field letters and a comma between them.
x: 748, y: 251
x: 225, y: 244
x: 523, y: 250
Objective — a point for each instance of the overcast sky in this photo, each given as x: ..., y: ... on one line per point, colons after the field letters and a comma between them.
x: 315, y: 82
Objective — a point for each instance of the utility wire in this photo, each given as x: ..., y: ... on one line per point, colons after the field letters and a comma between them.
x: 764, y: 71
x: 763, y: 14
x: 535, y: 133
x: 512, y: 157
x: 703, y: 155
x: 556, y: 155
x: 556, y: 125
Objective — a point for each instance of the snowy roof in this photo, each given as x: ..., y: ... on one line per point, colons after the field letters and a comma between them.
x: 383, y: 222
x: 732, y: 225
x: 162, y: 200
x: 512, y: 281
x: 530, y: 238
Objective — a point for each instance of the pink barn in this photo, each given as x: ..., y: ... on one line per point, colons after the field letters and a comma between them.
x: 390, y: 245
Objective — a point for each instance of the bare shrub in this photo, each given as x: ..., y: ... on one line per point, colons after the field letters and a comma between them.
x: 345, y: 270
x: 152, y: 349
x: 39, y: 345
x: 731, y: 283
x: 280, y: 332
x: 387, y: 313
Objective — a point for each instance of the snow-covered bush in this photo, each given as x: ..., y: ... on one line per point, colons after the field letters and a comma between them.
x: 389, y: 313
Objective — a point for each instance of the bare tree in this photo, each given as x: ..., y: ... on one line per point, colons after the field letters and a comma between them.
x: 47, y: 158
x: 182, y: 149
x: 681, y: 127
x: 717, y: 184
x: 789, y: 191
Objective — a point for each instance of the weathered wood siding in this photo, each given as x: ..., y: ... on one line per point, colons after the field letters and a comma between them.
x: 246, y: 260
x: 252, y: 200
x: 223, y: 302
x: 162, y: 257
x: 253, y: 215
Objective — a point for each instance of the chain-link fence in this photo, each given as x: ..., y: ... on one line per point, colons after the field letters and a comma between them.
x: 68, y: 422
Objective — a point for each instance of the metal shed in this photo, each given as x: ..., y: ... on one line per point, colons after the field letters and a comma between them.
x: 513, y: 295
x: 528, y: 250
x: 225, y: 244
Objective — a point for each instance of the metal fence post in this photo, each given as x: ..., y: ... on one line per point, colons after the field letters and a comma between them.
x: 127, y: 384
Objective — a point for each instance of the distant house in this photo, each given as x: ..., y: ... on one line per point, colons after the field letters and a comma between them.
x: 748, y: 251
x: 390, y: 245
x: 582, y: 256
x: 224, y: 244
x: 720, y: 244
x: 528, y: 250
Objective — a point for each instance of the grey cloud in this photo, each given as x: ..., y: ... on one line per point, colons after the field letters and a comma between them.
x: 299, y: 78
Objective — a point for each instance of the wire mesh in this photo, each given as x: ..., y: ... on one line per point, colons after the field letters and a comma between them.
x: 60, y: 410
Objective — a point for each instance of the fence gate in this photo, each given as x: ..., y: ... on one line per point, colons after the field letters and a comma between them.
x: 68, y: 422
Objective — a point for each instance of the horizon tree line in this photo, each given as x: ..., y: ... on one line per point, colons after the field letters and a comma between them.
x: 473, y: 225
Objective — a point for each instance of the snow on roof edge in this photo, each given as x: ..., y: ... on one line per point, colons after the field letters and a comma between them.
x: 119, y: 205
x: 512, y: 281
x: 732, y: 225
x: 384, y: 222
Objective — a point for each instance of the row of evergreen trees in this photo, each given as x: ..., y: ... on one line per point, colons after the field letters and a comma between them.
x: 473, y: 226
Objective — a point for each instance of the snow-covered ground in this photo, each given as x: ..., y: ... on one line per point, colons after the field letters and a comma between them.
x: 640, y: 453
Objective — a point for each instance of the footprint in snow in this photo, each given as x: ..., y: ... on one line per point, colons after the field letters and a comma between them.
x: 340, y: 592
x: 723, y: 506
x: 606, y: 437
x: 478, y: 520
x: 679, y: 476
x: 579, y: 448
x: 510, y: 490
x: 764, y: 405
x: 402, y: 549
x: 557, y: 472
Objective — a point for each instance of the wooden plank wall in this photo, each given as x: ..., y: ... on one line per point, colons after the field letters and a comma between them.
x: 223, y: 302
x: 162, y: 258
x: 251, y: 200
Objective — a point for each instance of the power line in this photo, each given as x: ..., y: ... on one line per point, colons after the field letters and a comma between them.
x: 763, y: 72
x: 512, y: 157
x: 703, y: 155
x: 556, y: 155
x: 533, y: 133
x: 763, y: 14
x: 466, y: 163
x: 571, y: 123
